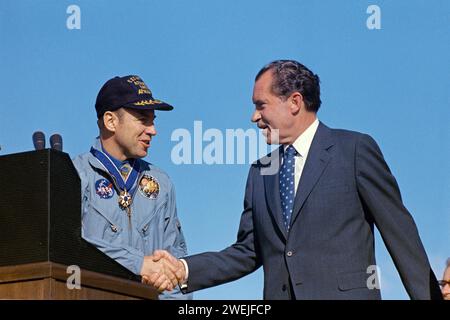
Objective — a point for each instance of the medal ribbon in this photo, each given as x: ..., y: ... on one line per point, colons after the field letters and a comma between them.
x: 123, y: 185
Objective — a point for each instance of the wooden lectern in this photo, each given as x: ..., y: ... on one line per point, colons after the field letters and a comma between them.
x: 40, y: 235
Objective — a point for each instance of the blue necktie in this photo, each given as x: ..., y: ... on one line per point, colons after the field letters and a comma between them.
x: 287, y: 184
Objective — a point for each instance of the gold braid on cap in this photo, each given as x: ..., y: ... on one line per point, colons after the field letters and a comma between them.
x: 147, y: 102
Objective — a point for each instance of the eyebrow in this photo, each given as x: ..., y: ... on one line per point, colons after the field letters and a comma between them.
x: 258, y: 101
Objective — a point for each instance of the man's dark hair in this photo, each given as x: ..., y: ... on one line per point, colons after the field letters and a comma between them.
x: 290, y: 76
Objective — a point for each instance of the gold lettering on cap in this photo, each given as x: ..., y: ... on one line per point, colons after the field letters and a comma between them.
x: 147, y: 102
x: 143, y: 89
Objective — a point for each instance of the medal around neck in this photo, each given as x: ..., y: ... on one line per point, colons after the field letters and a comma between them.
x: 121, y: 184
x: 125, y: 199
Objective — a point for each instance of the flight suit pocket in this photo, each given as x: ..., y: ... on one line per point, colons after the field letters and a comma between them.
x: 147, y: 227
x: 99, y: 225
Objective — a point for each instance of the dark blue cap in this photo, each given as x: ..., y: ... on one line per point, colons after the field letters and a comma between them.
x: 127, y: 92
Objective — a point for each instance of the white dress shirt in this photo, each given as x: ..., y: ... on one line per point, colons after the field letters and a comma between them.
x: 302, y: 145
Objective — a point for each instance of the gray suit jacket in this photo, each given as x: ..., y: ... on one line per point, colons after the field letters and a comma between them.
x: 345, y: 189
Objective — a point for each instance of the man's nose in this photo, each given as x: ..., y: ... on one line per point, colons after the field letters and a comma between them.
x: 256, y: 116
x: 150, y: 130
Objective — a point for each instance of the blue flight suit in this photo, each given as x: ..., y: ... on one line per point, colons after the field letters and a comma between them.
x: 153, y: 223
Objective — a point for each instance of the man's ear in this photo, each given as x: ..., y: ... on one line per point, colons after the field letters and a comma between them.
x: 297, y: 103
x: 110, y: 120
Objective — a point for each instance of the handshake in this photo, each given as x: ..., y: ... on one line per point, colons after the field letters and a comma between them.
x: 163, y: 271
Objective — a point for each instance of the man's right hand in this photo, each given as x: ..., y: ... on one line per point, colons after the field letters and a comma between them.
x: 158, y: 273
x: 171, y: 271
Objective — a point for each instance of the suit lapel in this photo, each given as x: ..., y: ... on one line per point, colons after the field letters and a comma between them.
x: 272, y: 192
x: 317, y: 161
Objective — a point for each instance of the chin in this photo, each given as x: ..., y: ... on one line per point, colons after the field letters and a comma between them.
x: 140, y: 154
x: 143, y: 155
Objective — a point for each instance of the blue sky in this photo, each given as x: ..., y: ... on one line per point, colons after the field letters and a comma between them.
x: 202, y: 56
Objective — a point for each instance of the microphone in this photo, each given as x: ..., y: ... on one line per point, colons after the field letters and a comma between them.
x: 39, y: 140
x: 56, y: 142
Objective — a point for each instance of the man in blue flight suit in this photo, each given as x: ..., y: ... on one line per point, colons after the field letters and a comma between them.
x: 128, y: 204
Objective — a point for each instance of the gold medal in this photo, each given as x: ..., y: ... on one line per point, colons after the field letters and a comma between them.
x: 124, y: 199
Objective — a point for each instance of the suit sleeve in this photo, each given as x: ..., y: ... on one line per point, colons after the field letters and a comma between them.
x: 213, y: 268
x: 380, y: 194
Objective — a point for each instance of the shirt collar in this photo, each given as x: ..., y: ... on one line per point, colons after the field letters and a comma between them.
x: 98, y: 145
x: 303, y: 141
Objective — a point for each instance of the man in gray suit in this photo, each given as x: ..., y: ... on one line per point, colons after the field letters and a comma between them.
x: 311, y: 224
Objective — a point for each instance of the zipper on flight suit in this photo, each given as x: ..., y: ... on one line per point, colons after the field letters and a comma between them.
x: 127, y: 209
x: 130, y: 230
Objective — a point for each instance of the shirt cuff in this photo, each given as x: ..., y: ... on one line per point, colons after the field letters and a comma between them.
x: 186, y: 268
